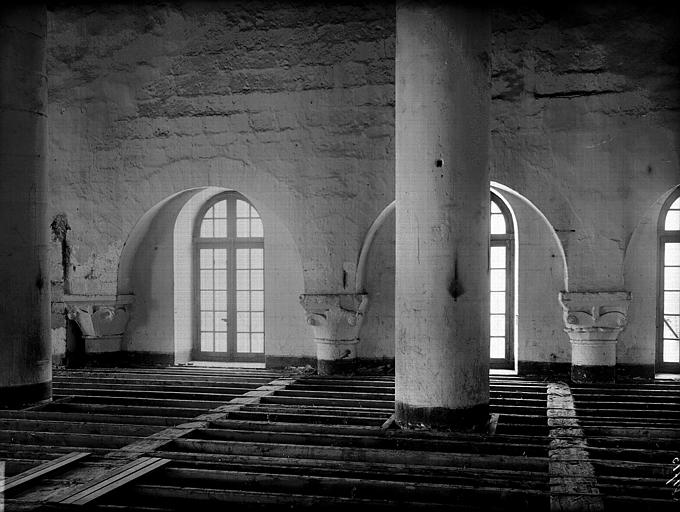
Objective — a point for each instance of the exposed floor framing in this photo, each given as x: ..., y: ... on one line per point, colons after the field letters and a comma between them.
x: 182, y: 438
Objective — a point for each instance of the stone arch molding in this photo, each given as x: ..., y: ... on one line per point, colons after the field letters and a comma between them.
x: 156, y: 269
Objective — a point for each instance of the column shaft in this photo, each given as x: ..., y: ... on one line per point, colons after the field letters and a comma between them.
x: 442, y: 224
x: 25, y: 348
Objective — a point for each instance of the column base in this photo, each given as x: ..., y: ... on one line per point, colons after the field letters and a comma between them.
x: 599, y: 374
x: 15, y: 397
x: 473, y: 419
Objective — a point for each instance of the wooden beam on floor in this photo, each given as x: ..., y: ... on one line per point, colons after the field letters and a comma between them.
x: 573, y: 486
x: 47, y: 468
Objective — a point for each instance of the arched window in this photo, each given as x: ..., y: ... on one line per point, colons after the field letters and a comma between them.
x: 229, y: 277
x: 502, y: 281
x: 668, y: 316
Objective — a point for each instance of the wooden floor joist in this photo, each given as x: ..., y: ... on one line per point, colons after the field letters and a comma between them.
x: 313, y: 441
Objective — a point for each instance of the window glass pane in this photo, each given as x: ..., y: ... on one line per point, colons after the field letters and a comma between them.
x: 257, y: 342
x: 253, y: 213
x: 207, y: 228
x: 494, y: 207
x: 220, y: 258
x: 257, y: 324
x: 242, y: 302
x: 220, y: 342
x: 671, y: 327
x: 243, y: 342
x: 257, y: 301
x: 497, y: 348
x: 243, y: 228
x: 671, y: 354
x: 220, y: 209
x: 497, y: 327
x: 242, y: 209
x: 256, y: 228
x: 671, y: 254
x: 220, y: 279
x: 242, y: 260
x: 210, y: 213
x: 221, y: 321
x: 497, y: 302
x: 207, y: 321
x: 220, y: 228
x: 243, y: 321
x: 497, y: 279
x: 671, y: 278
x: 497, y: 224
x: 256, y: 258
x: 672, y: 220
x: 498, y: 257
x: 206, y: 300
x: 242, y: 282
x: 206, y: 258
x: 256, y: 280
x: 206, y: 280
x: 671, y: 303
x: 207, y: 341
x: 221, y: 301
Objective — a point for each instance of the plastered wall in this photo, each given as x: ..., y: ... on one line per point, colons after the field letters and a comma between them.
x: 292, y: 104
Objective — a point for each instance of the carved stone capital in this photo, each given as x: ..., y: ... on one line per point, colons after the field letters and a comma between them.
x: 595, y: 315
x: 335, y: 319
x: 593, y: 321
x: 335, y: 316
x: 100, y: 318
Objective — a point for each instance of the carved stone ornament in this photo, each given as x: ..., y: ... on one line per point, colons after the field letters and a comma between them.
x: 602, y: 315
x: 102, y: 319
x: 335, y: 316
x: 593, y: 321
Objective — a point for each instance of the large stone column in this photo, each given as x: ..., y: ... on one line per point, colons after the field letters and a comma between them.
x: 593, y: 321
x: 442, y: 194
x: 25, y: 348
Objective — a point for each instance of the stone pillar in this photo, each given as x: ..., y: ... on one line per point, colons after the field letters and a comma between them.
x: 593, y: 322
x: 336, y: 320
x: 25, y: 348
x: 442, y: 224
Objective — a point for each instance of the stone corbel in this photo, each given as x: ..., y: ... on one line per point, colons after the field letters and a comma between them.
x: 335, y: 319
x: 102, y: 319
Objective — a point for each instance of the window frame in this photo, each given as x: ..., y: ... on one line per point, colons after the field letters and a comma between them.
x: 506, y: 240
x: 231, y: 243
x: 664, y: 237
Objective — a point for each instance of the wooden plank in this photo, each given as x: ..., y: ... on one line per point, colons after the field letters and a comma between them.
x: 306, y: 501
x: 403, y: 470
x: 379, y: 440
x: 113, y: 480
x: 360, y: 454
x: 373, y: 488
x: 46, y: 468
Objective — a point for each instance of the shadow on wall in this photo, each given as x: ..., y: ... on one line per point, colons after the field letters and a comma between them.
x: 156, y: 267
